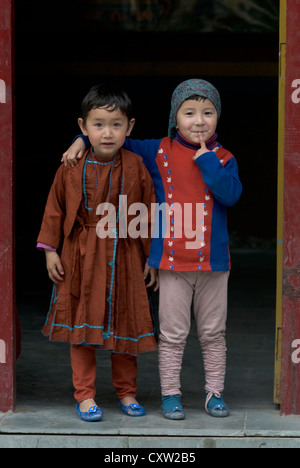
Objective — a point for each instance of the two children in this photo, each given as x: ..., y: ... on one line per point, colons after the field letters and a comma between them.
x: 192, y: 174
x: 99, y: 296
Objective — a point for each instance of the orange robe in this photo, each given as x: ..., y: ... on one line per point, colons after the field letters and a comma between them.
x: 103, y: 300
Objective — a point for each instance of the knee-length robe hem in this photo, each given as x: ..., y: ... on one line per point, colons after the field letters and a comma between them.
x: 103, y: 300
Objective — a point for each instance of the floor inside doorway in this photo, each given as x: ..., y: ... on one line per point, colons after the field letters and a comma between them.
x: 45, y: 411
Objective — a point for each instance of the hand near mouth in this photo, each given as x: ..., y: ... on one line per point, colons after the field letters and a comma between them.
x: 203, y: 148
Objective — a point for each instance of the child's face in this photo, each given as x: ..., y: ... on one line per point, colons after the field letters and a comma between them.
x: 106, y: 130
x: 194, y: 117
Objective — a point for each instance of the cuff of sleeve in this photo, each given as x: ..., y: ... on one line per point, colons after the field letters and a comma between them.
x: 85, y: 140
x: 41, y: 246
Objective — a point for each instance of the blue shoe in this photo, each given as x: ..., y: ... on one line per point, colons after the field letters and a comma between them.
x: 92, y: 415
x: 215, y: 405
x: 172, y: 408
x: 133, y: 410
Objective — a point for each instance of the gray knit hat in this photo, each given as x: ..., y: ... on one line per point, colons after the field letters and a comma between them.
x: 187, y: 89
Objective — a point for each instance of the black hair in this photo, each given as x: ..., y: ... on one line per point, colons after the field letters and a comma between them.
x: 111, y: 97
x: 196, y: 97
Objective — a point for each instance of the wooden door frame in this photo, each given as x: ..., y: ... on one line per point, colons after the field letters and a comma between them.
x: 7, y: 210
x: 287, y: 353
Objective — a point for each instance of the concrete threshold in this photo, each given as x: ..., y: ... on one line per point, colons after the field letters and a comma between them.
x: 60, y: 427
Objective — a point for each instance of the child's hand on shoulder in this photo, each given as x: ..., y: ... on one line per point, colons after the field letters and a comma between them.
x: 203, y: 148
x: 74, y: 153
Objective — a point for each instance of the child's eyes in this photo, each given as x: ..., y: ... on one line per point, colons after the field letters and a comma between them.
x: 191, y: 114
x: 115, y: 125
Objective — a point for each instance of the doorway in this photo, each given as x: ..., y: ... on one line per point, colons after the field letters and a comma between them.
x: 49, y: 88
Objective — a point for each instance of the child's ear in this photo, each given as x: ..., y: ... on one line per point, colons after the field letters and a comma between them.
x: 130, y: 127
x: 82, y: 126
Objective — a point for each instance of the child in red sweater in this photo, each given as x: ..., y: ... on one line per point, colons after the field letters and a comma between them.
x: 189, y: 167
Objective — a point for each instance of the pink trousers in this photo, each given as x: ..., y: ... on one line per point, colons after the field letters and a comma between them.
x: 208, y: 292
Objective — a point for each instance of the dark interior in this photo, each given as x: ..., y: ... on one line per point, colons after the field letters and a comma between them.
x: 63, y: 48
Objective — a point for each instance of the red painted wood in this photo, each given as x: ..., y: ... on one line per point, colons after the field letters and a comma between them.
x: 7, y: 260
x: 290, y: 389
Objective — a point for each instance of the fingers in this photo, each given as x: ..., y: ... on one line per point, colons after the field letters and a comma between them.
x: 146, y: 271
x: 54, y: 266
x: 73, y: 153
x: 203, y: 144
x: 203, y: 148
x: 70, y: 158
x: 201, y: 141
x: 156, y: 288
x: 56, y: 274
x: 154, y: 278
